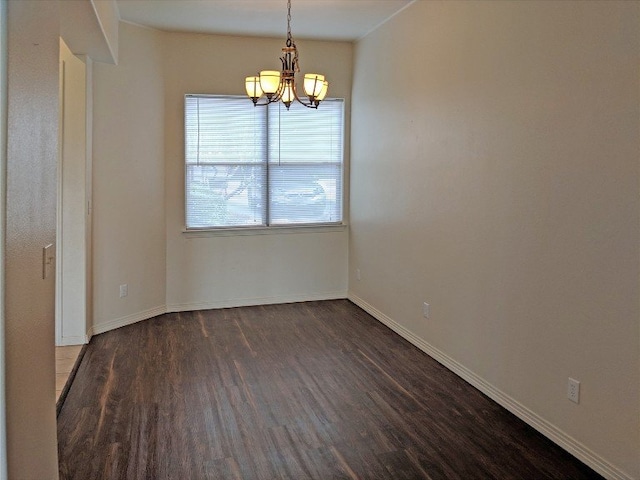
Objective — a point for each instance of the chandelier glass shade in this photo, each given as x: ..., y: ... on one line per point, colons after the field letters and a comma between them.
x: 273, y: 86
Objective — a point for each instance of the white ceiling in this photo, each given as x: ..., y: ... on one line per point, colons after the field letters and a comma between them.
x: 343, y: 20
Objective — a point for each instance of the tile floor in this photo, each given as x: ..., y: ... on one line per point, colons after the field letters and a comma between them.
x: 65, y: 360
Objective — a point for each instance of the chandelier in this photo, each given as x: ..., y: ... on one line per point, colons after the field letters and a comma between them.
x: 274, y: 86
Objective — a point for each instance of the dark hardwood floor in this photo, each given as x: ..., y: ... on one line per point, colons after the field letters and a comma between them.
x: 316, y: 390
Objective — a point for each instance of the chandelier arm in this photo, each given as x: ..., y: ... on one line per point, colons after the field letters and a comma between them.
x: 278, y: 95
x: 267, y: 101
x: 275, y: 97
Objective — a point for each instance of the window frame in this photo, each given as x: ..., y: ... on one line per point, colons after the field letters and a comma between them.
x: 266, y: 228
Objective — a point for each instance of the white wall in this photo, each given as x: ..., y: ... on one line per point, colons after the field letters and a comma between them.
x: 495, y: 176
x: 218, y: 271
x: 128, y: 176
x: 32, y: 148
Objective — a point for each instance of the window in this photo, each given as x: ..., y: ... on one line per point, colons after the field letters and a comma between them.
x: 262, y: 166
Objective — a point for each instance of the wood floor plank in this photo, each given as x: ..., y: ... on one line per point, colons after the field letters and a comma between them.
x: 316, y: 390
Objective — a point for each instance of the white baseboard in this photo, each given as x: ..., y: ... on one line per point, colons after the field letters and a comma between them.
x: 127, y: 320
x: 549, y: 430
x: 246, y: 302
x: 73, y: 340
x: 183, y: 307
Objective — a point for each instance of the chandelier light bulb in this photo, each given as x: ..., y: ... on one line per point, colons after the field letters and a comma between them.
x: 287, y: 94
x: 269, y: 81
x: 313, y: 84
x: 252, y: 85
x: 323, y: 91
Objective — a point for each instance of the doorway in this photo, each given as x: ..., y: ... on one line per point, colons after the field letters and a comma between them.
x: 73, y: 246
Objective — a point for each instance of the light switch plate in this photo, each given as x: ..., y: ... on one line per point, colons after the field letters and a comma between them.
x: 48, y: 260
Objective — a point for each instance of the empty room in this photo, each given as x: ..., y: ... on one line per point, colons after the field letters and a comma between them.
x: 317, y: 239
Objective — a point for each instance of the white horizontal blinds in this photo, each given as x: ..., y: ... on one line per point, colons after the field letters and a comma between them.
x: 244, y: 164
x: 225, y: 148
x: 305, y: 163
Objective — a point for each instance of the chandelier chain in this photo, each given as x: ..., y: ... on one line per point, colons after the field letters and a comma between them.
x: 289, y: 36
x: 290, y: 42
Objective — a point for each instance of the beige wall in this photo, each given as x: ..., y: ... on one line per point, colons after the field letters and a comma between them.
x: 32, y: 132
x: 90, y: 27
x: 3, y: 170
x: 139, y: 184
x: 206, y: 272
x: 128, y: 182
x: 495, y: 176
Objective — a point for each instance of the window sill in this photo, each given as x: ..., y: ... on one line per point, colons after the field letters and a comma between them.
x: 279, y: 230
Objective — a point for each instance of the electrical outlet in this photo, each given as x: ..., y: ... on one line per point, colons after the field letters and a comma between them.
x: 573, y: 390
x: 426, y: 310
x: 124, y: 290
x: 358, y: 276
